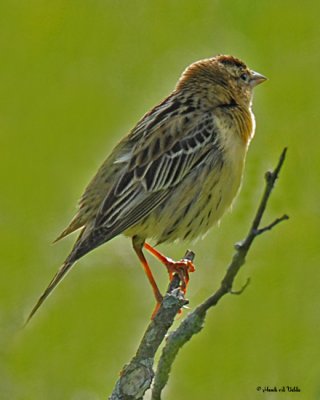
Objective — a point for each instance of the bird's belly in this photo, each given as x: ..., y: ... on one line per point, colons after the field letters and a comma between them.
x: 194, y: 206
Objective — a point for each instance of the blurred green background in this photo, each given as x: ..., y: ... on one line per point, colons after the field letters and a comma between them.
x: 75, y: 76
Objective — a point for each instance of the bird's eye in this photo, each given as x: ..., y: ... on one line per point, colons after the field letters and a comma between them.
x: 244, y: 77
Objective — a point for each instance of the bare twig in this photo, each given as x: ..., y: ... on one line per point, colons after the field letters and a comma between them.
x: 242, y: 289
x: 136, y: 377
x: 272, y: 225
x: 193, y: 323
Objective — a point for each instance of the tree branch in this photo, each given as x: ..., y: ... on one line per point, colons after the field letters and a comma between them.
x: 137, y: 376
x: 193, y: 323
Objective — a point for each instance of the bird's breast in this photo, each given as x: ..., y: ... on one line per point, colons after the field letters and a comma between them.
x: 207, y: 192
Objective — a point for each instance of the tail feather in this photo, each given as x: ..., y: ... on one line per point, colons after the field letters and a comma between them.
x: 75, y: 224
x: 56, y: 279
x: 85, y: 243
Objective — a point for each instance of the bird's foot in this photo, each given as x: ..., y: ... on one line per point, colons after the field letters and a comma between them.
x: 182, y: 267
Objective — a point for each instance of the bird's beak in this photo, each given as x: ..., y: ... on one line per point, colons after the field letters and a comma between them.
x: 256, y: 78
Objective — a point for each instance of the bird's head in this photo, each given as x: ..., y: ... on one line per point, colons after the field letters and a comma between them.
x: 221, y: 80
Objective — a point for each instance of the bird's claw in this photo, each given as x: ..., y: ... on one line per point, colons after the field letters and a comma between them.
x: 182, y: 267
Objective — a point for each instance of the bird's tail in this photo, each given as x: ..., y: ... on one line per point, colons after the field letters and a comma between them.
x: 56, y: 279
x: 83, y: 245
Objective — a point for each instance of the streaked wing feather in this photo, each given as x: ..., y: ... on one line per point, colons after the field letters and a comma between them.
x: 159, y: 161
x: 171, y: 166
x: 136, y: 214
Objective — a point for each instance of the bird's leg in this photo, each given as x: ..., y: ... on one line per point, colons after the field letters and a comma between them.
x: 137, y: 246
x: 182, y: 267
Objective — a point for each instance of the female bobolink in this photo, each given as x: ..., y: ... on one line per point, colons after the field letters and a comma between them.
x: 176, y: 173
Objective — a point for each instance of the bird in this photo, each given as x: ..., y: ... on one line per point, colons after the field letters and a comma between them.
x: 175, y: 173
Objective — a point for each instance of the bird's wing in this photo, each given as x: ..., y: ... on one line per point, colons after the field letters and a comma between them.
x: 111, y: 170
x: 157, y: 164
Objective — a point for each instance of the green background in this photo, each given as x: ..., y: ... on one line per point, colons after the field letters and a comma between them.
x: 75, y: 76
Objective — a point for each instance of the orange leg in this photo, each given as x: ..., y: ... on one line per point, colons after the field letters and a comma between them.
x: 138, y: 249
x: 181, y: 267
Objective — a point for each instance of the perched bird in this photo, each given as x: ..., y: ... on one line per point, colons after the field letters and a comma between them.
x: 176, y: 172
